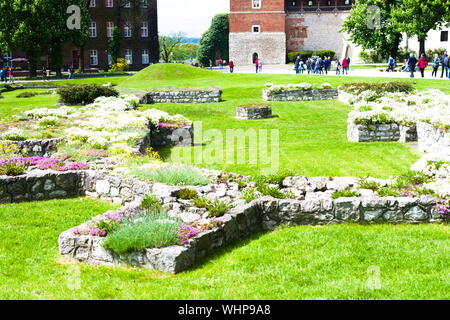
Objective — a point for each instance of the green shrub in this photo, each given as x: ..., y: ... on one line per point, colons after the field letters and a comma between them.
x: 410, y: 178
x: 249, y: 195
x: 388, y: 192
x: 45, y: 123
x: 151, y: 203
x: 85, y: 94
x: 187, y: 194
x: 27, y: 94
x: 378, y: 87
x: 144, y: 231
x: 324, y: 53
x: 173, y: 175
x: 267, y: 190
x: 12, y: 169
x: 241, y: 183
x: 345, y: 193
x: 303, y: 55
x: 217, y: 208
x: 201, y: 202
x: 365, y: 183
x: 276, y: 178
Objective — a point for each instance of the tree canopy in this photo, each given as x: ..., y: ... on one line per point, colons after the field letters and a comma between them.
x: 214, y: 42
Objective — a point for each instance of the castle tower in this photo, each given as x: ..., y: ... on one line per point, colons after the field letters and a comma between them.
x: 257, y: 30
x: 269, y: 29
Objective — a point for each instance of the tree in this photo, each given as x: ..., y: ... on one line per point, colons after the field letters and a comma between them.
x: 214, y: 41
x: 114, y: 45
x: 39, y: 28
x: 418, y: 17
x: 168, y: 44
x: 185, y: 51
x: 381, y: 34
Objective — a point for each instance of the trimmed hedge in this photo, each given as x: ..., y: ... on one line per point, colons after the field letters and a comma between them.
x: 378, y: 87
x: 85, y: 94
x: 304, y: 55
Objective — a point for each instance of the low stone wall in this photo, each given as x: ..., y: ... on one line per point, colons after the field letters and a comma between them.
x: 183, y: 96
x: 380, y: 132
x: 238, y: 223
x: 168, y: 137
x: 38, y: 147
x: 253, y: 113
x: 432, y: 139
x: 40, y: 185
x: 301, y: 95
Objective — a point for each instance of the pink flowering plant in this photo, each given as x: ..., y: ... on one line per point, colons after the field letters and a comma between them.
x: 44, y: 163
x: 443, y: 208
x: 186, y: 233
x: 107, y: 223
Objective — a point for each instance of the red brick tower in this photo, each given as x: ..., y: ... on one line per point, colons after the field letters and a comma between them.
x: 257, y: 29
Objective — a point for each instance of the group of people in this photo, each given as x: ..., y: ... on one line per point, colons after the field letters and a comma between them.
x: 412, y: 64
x: 6, y: 74
x: 258, y: 64
x: 319, y: 65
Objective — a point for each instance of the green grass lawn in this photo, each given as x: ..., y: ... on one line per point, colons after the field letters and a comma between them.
x: 312, y: 135
x: 328, y: 262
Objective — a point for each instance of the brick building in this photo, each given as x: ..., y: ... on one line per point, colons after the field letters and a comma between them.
x: 138, y: 20
x: 269, y: 29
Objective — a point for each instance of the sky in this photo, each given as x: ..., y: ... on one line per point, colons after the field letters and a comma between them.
x: 192, y: 17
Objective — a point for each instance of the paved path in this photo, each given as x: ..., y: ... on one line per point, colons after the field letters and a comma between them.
x: 289, y: 69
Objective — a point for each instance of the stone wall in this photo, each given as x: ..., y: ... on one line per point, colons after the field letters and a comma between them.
x: 168, y: 137
x: 243, y: 220
x: 253, y: 113
x: 269, y: 46
x: 183, y: 95
x: 432, y: 139
x: 40, y: 185
x: 38, y: 147
x: 300, y: 95
x: 239, y: 223
x: 380, y: 132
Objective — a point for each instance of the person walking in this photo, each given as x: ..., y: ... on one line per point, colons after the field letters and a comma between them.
x: 260, y: 65
x: 423, y: 62
x: 348, y: 64
x: 220, y: 62
x: 391, y: 64
x: 11, y: 75
x: 2, y: 75
x: 302, y: 66
x: 345, y: 66
x: 309, y: 65
x: 338, y: 67
x: 257, y: 64
x: 297, y: 65
x: 444, y: 64
x: 231, y: 65
x: 436, y: 63
x: 412, y: 61
x: 71, y: 73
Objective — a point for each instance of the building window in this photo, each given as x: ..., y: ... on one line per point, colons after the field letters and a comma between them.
x: 144, y: 4
x: 109, y: 29
x: 109, y: 3
x: 127, y: 4
x: 145, y: 56
x: 93, y: 55
x: 127, y: 30
x: 92, y: 4
x: 144, y: 29
x: 256, y: 4
x: 129, y: 56
x: 444, y: 36
x: 256, y: 29
x: 7, y: 59
x: 92, y: 29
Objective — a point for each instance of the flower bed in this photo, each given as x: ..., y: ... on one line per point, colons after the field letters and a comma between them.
x: 433, y: 139
x: 395, y: 117
x: 253, y: 112
x: 299, y: 92
x: 182, y: 95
